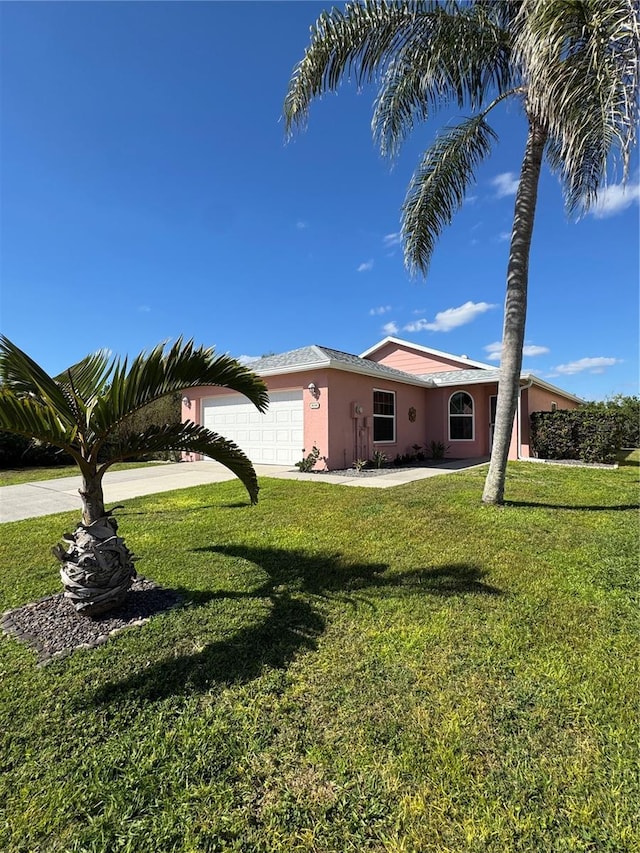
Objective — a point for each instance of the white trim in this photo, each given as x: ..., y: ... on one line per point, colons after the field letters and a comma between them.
x: 393, y: 417
x: 529, y: 377
x: 429, y: 351
x: 525, y: 377
x: 472, y: 416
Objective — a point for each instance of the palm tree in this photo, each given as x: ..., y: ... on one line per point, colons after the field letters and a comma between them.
x: 81, y: 409
x: 572, y: 65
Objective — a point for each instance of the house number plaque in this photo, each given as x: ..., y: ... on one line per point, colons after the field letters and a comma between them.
x: 314, y: 405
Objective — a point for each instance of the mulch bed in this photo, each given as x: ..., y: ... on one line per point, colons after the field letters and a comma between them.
x: 52, y: 627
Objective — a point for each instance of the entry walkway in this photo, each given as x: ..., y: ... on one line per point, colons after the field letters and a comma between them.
x: 45, y: 497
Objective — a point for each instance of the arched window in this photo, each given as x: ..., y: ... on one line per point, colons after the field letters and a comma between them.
x: 461, y: 426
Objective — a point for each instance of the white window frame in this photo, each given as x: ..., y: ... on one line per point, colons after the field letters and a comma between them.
x: 472, y: 416
x: 387, y: 417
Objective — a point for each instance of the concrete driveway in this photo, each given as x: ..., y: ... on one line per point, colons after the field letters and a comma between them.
x: 49, y: 496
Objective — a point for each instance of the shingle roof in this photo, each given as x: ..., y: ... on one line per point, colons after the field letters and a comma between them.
x: 314, y: 356
x: 460, y: 377
x: 309, y: 357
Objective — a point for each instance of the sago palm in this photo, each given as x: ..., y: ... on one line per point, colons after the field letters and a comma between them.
x: 80, y: 410
x: 572, y: 65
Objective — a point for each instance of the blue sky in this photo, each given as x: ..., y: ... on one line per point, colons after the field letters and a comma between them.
x: 147, y: 192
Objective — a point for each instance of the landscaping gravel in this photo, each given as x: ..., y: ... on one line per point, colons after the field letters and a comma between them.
x: 377, y: 472
x: 53, y: 628
x: 351, y: 472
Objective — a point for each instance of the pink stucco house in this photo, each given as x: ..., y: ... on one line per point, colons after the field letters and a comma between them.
x: 394, y: 395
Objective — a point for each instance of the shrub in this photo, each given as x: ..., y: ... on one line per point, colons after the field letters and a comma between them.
x: 438, y: 449
x: 160, y: 412
x: 17, y: 451
x: 308, y: 463
x: 628, y: 410
x: 379, y: 459
x: 590, y: 434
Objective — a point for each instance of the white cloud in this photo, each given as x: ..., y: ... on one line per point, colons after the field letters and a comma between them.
x: 494, y: 350
x: 301, y: 225
x: 418, y: 326
x: 247, y: 359
x: 503, y: 236
x: 366, y: 266
x: 144, y: 309
x: 614, y: 199
x: 451, y: 318
x: 390, y: 329
x: 471, y: 199
x: 390, y: 240
x: 381, y: 309
x: 528, y: 350
x: 505, y: 184
x: 593, y: 365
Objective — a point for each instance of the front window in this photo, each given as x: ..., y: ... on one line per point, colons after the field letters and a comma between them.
x: 384, y: 416
x: 461, y: 417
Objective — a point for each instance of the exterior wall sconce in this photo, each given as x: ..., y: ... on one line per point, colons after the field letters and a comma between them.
x: 313, y: 388
x: 186, y: 402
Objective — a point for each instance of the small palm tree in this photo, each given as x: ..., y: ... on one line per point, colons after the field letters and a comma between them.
x: 573, y: 66
x: 79, y: 410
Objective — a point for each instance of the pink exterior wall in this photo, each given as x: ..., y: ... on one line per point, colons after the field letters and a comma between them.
x: 413, y: 361
x: 342, y: 438
x: 351, y: 438
x: 536, y: 399
x: 438, y: 420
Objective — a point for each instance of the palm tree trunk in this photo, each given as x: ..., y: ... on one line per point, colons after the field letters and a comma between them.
x: 92, y: 498
x: 97, y: 567
x: 515, y: 312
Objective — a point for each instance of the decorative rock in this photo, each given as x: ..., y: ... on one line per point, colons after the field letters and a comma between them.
x: 53, y: 628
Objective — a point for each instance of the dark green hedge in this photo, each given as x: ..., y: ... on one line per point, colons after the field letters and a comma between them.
x: 628, y: 409
x: 19, y: 452
x: 590, y: 434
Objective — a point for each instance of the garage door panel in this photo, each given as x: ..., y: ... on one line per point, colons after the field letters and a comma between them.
x: 275, y: 437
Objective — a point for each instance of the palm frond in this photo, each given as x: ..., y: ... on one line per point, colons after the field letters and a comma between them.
x: 190, y: 437
x: 459, y: 57
x: 358, y: 41
x: 89, y: 376
x: 439, y: 185
x: 581, y: 61
x: 155, y: 374
x: 27, y: 415
x: 23, y: 376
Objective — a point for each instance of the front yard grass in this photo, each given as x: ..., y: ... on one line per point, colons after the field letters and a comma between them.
x: 355, y: 670
x: 17, y: 476
x: 629, y: 457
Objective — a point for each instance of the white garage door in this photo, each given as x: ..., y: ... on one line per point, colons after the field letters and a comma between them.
x: 274, y: 438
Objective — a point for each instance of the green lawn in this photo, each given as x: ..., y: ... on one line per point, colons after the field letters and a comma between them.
x: 16, y: 476
x: 629, y: 457
x: 356, y: 670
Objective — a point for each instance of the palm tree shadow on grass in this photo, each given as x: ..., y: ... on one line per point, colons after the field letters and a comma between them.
x: 577, y: 507
x: 295, y: 581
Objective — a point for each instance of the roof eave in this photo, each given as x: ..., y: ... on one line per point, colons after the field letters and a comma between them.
x: 406, y: 378
x: 448, y: 355
x: 530, y: 377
